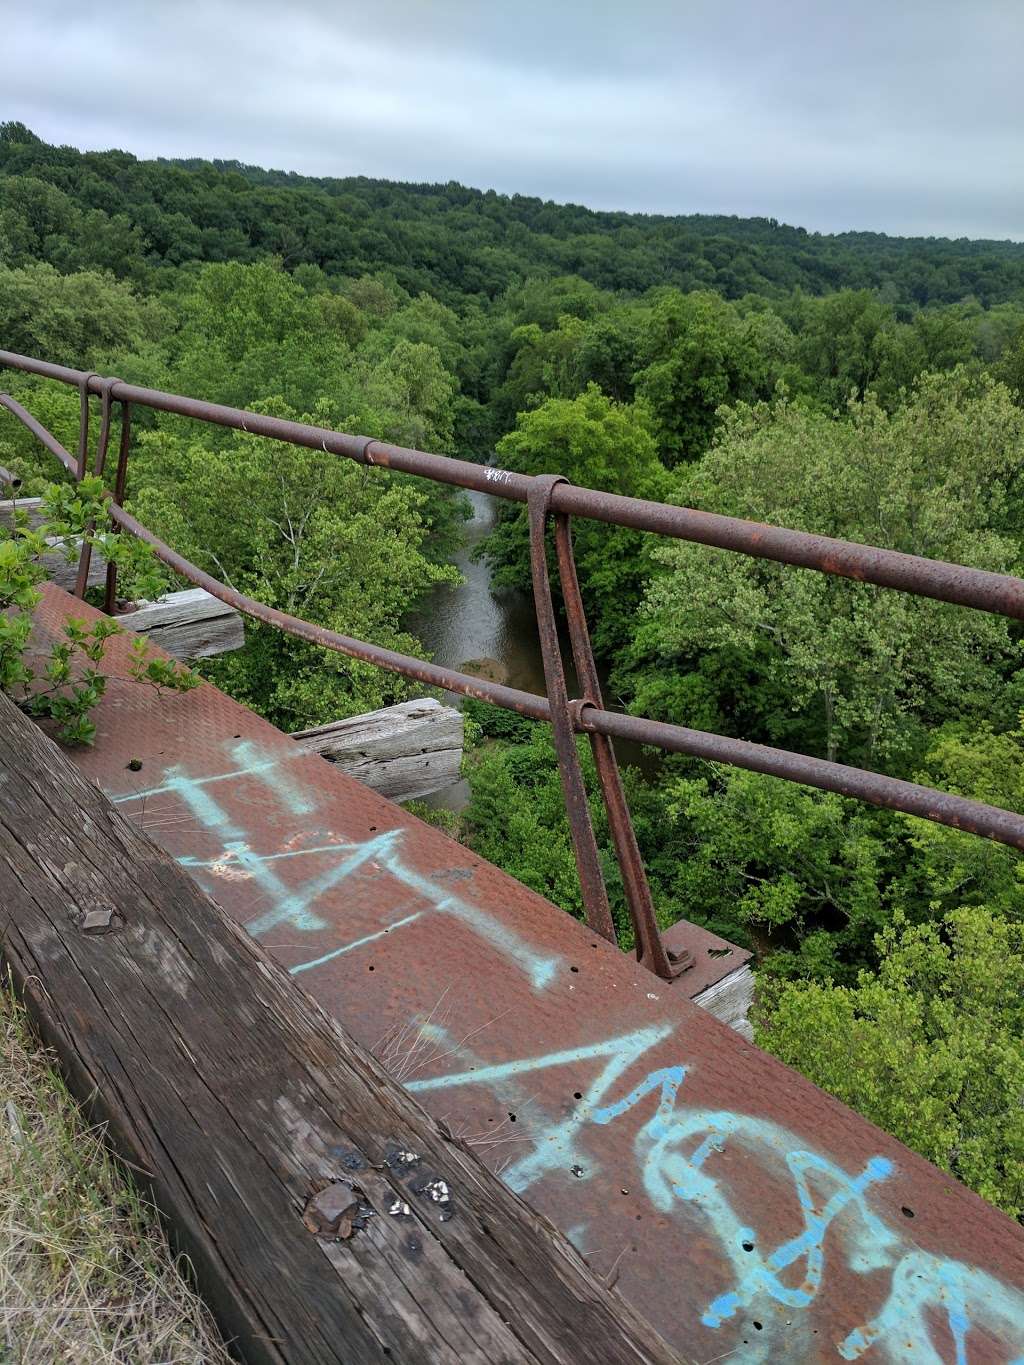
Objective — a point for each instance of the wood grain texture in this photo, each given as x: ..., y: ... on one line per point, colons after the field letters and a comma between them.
x: 188, y: 625
x: 731, y: 1000
x: 239, y: 1098
x: 402, y: 751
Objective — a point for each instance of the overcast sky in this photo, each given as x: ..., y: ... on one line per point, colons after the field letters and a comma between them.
x: 895, y: 115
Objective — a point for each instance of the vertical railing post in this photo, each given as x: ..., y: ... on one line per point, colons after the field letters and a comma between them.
x: 85, y: 558
x: 117, y: 498
x: 650, y: 950
x: 83, y: 422
x: 588, y: 859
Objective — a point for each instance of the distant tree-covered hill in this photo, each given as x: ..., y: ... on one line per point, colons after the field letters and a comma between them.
x: 109, y: 209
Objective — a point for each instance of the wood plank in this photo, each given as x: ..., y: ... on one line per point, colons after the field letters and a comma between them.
x: 402, y: 751
x: 188, y: 625
x: 239, y: 1098
x: 730, y: 1000
x: 58, y: 569
x: 32, y: 506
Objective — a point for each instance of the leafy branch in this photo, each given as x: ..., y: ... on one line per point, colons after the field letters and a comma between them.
x: 66, y: 684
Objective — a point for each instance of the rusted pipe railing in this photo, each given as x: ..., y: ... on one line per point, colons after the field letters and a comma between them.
x: 965, y: 587
x: 547, y: 496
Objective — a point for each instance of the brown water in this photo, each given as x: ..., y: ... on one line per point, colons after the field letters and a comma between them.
x: 476, y: 622
x: 478, y: 628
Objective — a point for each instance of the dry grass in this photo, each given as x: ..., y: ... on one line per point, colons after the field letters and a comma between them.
x: 86, y: 1275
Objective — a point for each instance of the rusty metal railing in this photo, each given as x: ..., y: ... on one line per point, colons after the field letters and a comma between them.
x: 550, y: 497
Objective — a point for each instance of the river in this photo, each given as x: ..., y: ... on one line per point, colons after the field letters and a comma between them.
x: 478, y: 628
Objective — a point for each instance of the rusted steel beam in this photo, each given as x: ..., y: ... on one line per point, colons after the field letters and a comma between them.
x: 943, y: 808
x: 117, y: 497
x: 82, y: 581
x: 44, y: 437
x: 84, y: 380
x: 749, y: 1216
x: 955, y: 583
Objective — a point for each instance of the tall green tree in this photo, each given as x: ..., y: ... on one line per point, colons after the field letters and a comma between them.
x: 594, y: 441
x: 323, y: 539
x: 846, y: 669
x: 930, y: 1046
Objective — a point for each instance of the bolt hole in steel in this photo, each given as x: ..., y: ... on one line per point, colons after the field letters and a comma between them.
x: 757, y: 1326
x: 511, y: 1117
x: 574, y: 969
x: 907, y: 1213
x: 747, y: 1246
x: 577, y: 1094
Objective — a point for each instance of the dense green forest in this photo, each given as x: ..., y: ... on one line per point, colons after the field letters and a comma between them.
x: 857, y: 385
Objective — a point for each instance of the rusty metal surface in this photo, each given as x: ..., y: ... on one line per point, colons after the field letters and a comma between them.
x: 711, y: 957
x: 749, y: 1216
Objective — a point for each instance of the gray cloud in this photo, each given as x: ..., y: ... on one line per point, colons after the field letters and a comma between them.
x: 901, y: 117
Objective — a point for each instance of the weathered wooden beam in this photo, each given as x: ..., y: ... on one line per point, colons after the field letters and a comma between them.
x: 402, y: 751
x: 730, y: 1000
x: 32, y: 507
x: 263, y: 1131
x: 189, y: 625
x: 58, y: 568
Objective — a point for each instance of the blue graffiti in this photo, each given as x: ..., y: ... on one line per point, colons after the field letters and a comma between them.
x: 559, y: 1151
x: 921, y: 1282
x: 356, y: 943
x: 674, y: 1148
x: 294, y: 906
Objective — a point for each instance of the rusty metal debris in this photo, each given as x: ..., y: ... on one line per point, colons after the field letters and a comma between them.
x: 100, y: 919
x: 336, y: 1211
x: 550, y: 496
